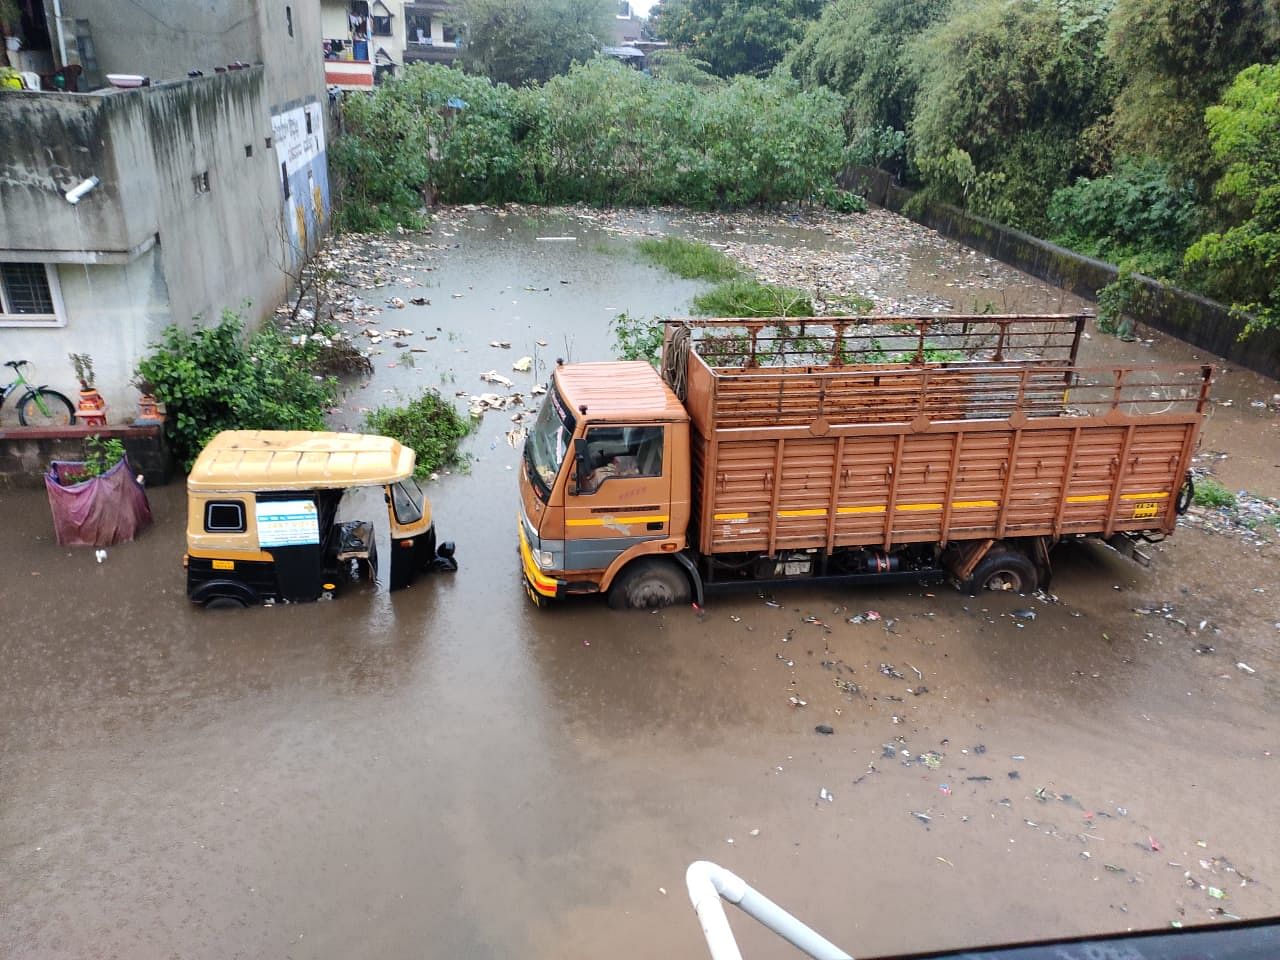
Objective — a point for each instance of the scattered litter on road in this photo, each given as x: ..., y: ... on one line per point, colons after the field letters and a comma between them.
x: 922, y: 817
x: 824, y: 729
x: 825, y: 794
x: 797, y: 702
x: 1246, y: 668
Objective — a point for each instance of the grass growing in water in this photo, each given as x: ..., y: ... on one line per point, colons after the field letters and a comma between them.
x: 1211, y: 493
x: 751, y: 298
x: 690, y: 259
x: 428, y: 424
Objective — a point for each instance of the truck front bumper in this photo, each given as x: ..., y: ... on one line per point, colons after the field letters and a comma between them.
x: 536, y: 582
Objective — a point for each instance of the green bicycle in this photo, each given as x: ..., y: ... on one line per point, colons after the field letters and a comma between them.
x: 39, y: 406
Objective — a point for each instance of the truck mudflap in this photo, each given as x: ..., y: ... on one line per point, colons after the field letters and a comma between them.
x: 537, y: 584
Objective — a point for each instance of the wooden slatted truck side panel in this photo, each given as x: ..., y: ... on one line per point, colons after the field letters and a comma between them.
x: 878, y: 455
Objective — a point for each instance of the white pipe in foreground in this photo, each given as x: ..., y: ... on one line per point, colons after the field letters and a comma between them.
x: 708, y: 882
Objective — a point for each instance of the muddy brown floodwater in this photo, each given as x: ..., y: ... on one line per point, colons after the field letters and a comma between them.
x: 451, y: 772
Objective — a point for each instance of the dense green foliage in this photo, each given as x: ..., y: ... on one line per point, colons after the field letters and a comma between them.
x: 1241, y: 264
x: 690, y: 259
x: 1134, y: 216
x: 1175, y: 58
x: 735, y: 36
x: 858, y: 48
x: 1006, y: 90
x: 601, y: 134
x: 428, y: 424
x: 530, y: 41
x: 1105, y: 125
x: 215, y: 378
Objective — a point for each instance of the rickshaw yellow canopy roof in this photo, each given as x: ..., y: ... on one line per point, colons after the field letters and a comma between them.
x: 248, y: 460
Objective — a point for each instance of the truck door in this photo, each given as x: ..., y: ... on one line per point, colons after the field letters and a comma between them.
x: 622, y: 494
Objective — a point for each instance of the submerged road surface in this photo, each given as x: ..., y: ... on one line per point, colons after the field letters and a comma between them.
x: 450, y: 772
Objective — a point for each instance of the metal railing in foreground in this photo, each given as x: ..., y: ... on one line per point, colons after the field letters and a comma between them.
x: 708, y: 883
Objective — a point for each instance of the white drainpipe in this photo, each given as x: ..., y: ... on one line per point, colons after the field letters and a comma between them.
x: 708, y: 882
x: 62, y: 40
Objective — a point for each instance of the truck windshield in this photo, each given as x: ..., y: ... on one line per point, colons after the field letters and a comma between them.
x: 548, y: 441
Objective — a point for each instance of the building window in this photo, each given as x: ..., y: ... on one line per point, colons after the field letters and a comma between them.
x: 450, y: 34
x: 224, y: 516
x: 29, y: 296
x: 381, y: 26
x: 419, y: 28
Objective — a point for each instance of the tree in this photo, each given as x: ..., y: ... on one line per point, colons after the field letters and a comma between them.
x: 1175, y: 58
x: 735, y: 36
x: 857, y: 48
x: 1242, y: 263
x: 1006, y: 90
x: 530, y: 41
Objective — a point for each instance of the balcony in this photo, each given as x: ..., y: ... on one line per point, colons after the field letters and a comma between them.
x: 349, y: 74
x: 444, y: 53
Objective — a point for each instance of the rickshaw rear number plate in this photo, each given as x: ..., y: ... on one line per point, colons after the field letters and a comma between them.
x: 224, y: 564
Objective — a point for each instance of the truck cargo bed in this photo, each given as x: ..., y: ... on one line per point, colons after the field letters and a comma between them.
x: 992, y: 442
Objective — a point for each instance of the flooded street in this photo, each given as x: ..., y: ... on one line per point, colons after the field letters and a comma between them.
x: 451, y: 772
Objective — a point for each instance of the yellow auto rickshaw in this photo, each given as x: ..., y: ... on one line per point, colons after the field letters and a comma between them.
x: 262, y: 516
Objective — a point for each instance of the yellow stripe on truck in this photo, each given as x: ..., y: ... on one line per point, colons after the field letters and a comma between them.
x: 611, y: 519
x: 905, y: 507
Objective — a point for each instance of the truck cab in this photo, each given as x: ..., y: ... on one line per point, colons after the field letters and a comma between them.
x: 605, y: 488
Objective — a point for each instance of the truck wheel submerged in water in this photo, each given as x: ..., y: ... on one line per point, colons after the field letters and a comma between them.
x: 1003, y: 569
x: 649, y: 582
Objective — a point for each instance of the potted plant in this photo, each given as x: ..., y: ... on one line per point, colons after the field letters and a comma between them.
x: 92, y: 409
x: 148, y: 407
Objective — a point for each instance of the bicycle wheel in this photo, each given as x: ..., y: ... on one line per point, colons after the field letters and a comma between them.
x: 46, y: 408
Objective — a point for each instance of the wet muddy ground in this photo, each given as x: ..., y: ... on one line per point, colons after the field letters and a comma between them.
x: 451, y: 772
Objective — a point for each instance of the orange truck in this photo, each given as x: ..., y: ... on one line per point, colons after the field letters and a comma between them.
x: 861, y: 448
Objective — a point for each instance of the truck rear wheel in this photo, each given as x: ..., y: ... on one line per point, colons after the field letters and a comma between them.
x: 1003, y: 569
x: 647, y: 583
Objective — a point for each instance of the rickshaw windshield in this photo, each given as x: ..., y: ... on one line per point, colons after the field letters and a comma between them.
x: 407, y: 499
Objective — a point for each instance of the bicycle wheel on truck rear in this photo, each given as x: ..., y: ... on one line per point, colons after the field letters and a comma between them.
x: 46, y: 408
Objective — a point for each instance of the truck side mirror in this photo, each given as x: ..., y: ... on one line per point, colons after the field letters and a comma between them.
x: 581, y: 470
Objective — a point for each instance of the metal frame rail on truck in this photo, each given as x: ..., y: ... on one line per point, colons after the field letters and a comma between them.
x: 861, y: 448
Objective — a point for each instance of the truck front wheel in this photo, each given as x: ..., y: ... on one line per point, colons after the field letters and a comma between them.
x: 649, y: 582
x: 1003, y: 569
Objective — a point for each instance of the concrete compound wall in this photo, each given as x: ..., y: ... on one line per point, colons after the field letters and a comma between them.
x: 1185, y: 315
x: 163, y: 39
x: 166, y: 246
x: 189, y: 217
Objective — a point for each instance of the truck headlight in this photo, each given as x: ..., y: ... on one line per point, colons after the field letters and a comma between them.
x: 544, y: 558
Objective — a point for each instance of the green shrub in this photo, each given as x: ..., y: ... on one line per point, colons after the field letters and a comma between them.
x: 602, y: 134
x: 1116, y: 302
x: 1211, y: 493
x: 429, y: 425
x: 751, y: 298
x: 214, y: 378
x: 843, y: 201
x: 100, y: 455
x: 690, y: 259
x: 1134, y: 216
x: 637, y: 338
